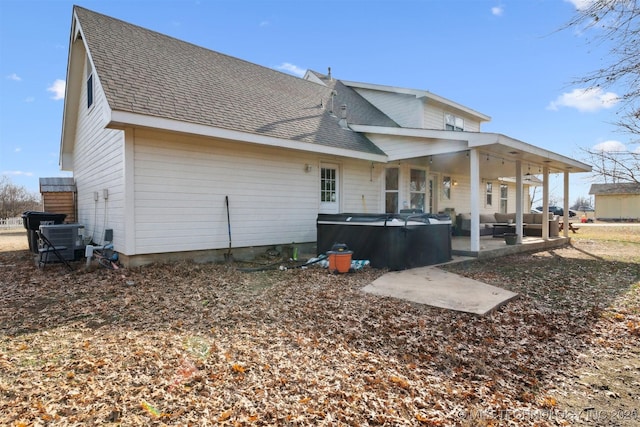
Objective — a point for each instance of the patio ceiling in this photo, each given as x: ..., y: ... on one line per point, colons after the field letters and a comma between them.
x: 448, y: 151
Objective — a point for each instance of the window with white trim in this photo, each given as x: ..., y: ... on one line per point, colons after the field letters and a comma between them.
x: 488, y: 194
x: 504, y: 193
x: 328, y: 188
x: 418, y: 189
x: 391, y: 189
x: 446, y: 188
x: 89, y: 84
x: 452, y: 122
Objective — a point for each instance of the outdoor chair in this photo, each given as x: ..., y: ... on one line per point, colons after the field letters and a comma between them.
x: 46, y: 247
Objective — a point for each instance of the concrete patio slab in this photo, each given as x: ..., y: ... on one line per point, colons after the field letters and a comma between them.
x: 433, y: 286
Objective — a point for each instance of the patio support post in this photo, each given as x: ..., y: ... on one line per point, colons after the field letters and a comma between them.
x: 519, y: 201
x: 565, y: 230
x: 545, y: 202
x: 474, y: 170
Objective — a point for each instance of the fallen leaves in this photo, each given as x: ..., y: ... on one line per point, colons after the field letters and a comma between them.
x: 194, y: 344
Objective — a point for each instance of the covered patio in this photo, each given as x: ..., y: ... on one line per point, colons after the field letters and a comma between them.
x: 493, y: 248
x: 469, y: 162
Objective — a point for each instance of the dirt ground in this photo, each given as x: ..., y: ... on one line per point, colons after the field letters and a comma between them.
x: 204, y: 344
x: 13, y: 240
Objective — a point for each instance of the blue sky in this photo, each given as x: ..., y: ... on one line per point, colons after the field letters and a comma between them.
x: 503, y: 58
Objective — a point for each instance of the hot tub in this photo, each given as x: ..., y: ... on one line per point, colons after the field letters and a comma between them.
x: 393, y: 241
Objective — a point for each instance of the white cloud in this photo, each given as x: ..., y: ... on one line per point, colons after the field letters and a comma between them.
x: 17, y: 150
x: 585, y: 100
x: 29, y: 99
x: 14, y: 77
x: 264, y: 24
x: 580, y: 4
x: 290, y: 68
x: 57, y: 88
x: 17, y: 173
x: 610, y: 146
x: 497, y: 10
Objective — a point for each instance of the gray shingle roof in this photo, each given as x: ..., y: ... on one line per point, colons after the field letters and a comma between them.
x: 148, y: 73
x: 619, y: 188
x: 57, y: 185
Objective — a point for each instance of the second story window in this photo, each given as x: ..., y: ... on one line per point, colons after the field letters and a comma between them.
x: 452, y: 122
x: 89, y: 84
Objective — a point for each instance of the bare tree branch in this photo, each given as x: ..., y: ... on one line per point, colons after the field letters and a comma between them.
x: 14, y: 199
x: 616, y: 23
x: 614, y: 166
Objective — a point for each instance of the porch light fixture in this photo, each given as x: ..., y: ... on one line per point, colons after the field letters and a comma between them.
x: 455, y: 182
x: 430, y: 159
x: 307, y: 167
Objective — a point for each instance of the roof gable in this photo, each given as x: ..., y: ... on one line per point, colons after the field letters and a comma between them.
x: 147, y: 73
x: 619, y: 188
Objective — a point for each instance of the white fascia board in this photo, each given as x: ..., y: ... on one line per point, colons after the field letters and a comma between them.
x: 121, y: 119
x: 419, y: 94
x: 71, y: 97
x: 484, y: 139
x: 414, y: 132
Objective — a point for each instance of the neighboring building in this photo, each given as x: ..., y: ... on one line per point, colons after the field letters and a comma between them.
x: 159, y: 132
x: 59, y: 196
x: 616, y: 202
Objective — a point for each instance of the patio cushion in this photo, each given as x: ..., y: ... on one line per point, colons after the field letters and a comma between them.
x: 487, y: 218
x: 528, y: 218
x: 501, y: 217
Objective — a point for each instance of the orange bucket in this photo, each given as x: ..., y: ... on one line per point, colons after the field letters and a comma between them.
x: 340, y: 261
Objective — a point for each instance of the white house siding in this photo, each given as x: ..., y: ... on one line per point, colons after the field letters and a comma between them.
x: 97, y: 160
x: 617, y: 206
x: 434, y: 117
x: 362, y: 186
x: 408, y: 147
x: 406, y: 110
x: 461, y: 201
x: 181, y: 183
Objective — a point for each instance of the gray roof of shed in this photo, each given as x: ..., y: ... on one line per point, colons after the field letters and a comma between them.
x: 57, y: 185
x: 148, y: 73
x: 619, y: 188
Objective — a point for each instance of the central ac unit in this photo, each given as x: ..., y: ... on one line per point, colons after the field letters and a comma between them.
x: 69, y: 236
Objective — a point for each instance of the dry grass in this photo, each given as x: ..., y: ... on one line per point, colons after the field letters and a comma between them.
x: 197, y: 344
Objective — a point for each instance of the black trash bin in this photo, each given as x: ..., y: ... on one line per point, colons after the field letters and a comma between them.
x: 32, y: 221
